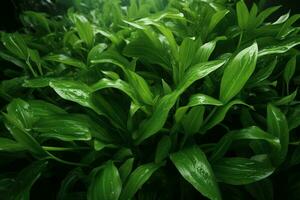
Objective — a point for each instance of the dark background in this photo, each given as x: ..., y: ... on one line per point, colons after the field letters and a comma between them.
x: 10, y: 9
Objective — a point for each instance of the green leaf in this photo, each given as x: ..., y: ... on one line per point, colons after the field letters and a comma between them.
x: 74, y: 91
x: 141, y: 87
x: 279, y: 48
x: 96, y: 51
x: 152, y: 125
x: 125, y: 169
x: 286, y: 100
x: 40, y: 108
x: 294, y: 118
x: 282, y: 18
x: 289, y: 70
x: 10, y: 145
x: 262, y: 190
x: 216, y: 18
x: 22, y: 137
x: 68, y: 182
x: 220, y: 114
x: 197, y: 72
x: 284, y: 31
x: 117, y: 84
x: 263, y: 73
x: 65, y: 127
x: 85, y: 30
x: 12, y: 59
x: 265, y: 14
x: 278, y: 126
x: 242, y: 14
x: 241, y: 171
x: 26, y: 178
x: 106, y: 184
x: 37, y: 82
x: 15, y: 43
x: 187, y: 51
x: 148, y: 47
x: 237, y: 72
x: 20, y: 111
x: 61, y: 58
x: 111, y: 56
x: 250, y: 133
x: 37, y: 20
x: 196, y: 100
x: 136, y: 180
x: 205, y: 50
x: 194, y: 167
x: 163, y: 148
x: 202, y: 99
x: 193, y: 120
x: 252, y: 17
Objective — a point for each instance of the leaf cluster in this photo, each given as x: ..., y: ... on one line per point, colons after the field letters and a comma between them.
x: 151, y: 99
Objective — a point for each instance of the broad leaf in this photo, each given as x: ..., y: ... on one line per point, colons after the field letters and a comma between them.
x: 237, y: 72
x: 194, y: 167
x: 136, y: 180
x: 240, y: 171
x: 106, y: 184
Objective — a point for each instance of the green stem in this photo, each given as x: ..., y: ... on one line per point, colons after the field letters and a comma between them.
x: 47, y: 148
x: 65, y: 162
x: 240, y: 40
x: 185, y: 137
x: 40, y: 69
x: 31, y: 69
x: 210, y: 115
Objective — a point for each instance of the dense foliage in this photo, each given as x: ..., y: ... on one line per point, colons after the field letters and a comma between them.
x: 151, y: 99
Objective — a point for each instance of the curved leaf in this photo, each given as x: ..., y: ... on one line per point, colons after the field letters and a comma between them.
x: 106, y: 184
x: 136, y: 180
x: 237, y: 72
x: 194, y: 167
x: 162, y: 108
x: 66, y: 60
x: 278, y: 126
x: 64, y: 127
x: 241, y: 171
x: 10, y: 145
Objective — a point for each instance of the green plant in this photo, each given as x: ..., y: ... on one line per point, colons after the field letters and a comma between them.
x: 151, y: 100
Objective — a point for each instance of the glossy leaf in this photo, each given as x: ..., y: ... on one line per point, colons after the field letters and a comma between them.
x: 242, y: 14
x: 136, y: 180
x: 26, y: 179
x: 163, y: 148
x: 64, y: 127
x: 23, y: 137
x: 289, y: 70
x: 278, y: 126
x: 15, y: 44
x: 194, y: 167
x: 125, y: 169
x: 10, y: 145
x: 237, y: 72
x: 96, y: 51
x: 160, y: 114
x: 293, y: 118
x: 220, y: 114
x: 279, y: 48
x: 85, y: 29
x: 251, y: 133
x: 61, y: 58
x: 106, y: 184
x: 240, y: 171
x: 286, y: 100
